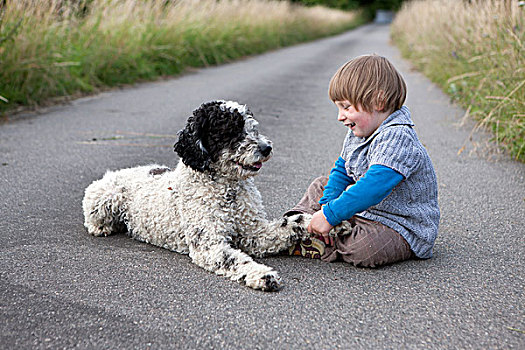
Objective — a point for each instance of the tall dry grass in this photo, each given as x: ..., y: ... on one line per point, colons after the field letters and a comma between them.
x: 475, y: 51
x: 51, y: 48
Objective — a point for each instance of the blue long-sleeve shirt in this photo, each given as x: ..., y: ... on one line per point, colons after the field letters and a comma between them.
x: 340, y: 203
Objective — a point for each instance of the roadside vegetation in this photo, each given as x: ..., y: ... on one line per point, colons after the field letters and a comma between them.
x: 55, y: 48
x: 475, y: 51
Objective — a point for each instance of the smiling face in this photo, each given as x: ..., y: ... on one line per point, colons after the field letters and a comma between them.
x: 370, y: 82
x: 361, y: 122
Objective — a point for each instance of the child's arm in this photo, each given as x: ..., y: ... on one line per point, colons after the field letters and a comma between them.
x: 338, y: 181
x: 368, y: 191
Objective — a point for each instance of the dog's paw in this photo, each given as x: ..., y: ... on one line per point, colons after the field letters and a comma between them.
x: 267, y: 282
x: 298, y: 223
x: 96, y: 231
x: 272, y: 282
x: 342, y: 229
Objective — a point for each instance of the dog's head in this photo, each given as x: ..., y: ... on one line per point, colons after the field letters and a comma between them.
x: 222, y: 137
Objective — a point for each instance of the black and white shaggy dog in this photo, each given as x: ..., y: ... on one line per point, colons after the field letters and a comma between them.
x: 208, y: 207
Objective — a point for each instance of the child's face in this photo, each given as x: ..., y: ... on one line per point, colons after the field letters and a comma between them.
x: 362, y: 123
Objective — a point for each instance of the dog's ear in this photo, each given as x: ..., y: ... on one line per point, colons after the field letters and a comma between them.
x: 189, y: 145
x: 209, y: 130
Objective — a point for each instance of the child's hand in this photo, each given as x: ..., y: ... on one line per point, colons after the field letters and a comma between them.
x: 318, y: 225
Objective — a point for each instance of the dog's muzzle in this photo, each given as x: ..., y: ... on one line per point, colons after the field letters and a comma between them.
x: 265, y: 149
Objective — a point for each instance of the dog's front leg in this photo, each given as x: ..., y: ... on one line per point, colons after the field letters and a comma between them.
x: 271, y: 237
x: 214, y: 253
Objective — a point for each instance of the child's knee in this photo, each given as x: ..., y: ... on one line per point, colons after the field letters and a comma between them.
x: 379, y: 253
x: 319, y: 182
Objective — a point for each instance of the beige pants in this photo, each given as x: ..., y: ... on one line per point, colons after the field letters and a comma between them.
x: 368, y: 244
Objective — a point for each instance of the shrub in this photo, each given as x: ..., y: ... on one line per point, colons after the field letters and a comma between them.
x: 474, y: 51
x: 51, y: 48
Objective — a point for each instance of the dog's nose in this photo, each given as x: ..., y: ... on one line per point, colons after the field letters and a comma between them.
x: 265, y: 149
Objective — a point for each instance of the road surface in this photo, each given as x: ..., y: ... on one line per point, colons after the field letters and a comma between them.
x: 61, y: 288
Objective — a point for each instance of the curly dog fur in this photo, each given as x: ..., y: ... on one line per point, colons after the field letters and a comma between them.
x: 209, y: 206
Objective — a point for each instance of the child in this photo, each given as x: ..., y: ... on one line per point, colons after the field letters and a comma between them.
x: 383, y: 183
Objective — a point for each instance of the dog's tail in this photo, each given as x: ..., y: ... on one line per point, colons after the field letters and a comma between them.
x: 103, y: 207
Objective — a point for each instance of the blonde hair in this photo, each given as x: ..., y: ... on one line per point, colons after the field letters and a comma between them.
x: 369, y: 81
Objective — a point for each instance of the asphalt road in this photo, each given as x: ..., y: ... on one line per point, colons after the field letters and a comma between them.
x: 61, y: 288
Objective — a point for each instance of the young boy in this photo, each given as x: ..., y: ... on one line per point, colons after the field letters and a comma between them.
x: 383, y: 183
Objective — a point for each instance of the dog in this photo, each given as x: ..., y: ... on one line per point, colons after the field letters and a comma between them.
x: 208, y: 206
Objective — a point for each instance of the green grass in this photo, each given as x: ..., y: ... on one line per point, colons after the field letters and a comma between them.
x: 56, y: 48
x: 474, y: 51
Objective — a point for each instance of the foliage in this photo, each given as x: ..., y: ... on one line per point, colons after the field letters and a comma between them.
x: 474, y: 51
x: 354, y: 4
x: 53, y: 48
x: 368, y: 7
